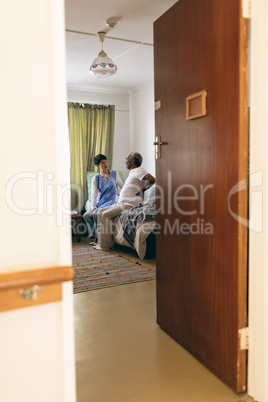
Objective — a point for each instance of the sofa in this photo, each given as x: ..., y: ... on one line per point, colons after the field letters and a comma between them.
x: 134, y: 227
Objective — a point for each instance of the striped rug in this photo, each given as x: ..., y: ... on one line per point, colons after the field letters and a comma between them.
x: 95, y: 269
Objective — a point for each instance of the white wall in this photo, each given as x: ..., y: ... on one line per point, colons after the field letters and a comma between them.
x: 36, y: 343
x: 142, y: 128
x: 121, y: 133
x: 29, y: 160
x: 258, y: 239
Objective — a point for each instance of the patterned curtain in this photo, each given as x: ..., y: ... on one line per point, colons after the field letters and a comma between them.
x: 91, y: 132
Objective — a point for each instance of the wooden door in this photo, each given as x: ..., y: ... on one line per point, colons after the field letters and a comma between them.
x: 201, y: 245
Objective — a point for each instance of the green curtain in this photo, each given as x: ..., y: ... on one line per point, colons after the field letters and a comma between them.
x: 91, y: 132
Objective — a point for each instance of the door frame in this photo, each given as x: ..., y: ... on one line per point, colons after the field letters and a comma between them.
x: 258, y: 253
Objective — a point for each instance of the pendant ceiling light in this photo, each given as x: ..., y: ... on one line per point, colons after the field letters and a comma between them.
x: 103, y: 66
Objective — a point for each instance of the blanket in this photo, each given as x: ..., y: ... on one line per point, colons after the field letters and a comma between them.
x: 131, y: 219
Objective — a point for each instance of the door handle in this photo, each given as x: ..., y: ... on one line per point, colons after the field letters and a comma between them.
x: 158, y: 144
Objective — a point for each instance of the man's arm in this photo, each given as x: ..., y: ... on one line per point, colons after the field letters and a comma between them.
x: 150, y: 180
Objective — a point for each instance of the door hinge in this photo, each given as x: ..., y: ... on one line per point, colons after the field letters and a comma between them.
x: 243, y: 334
x: 247, y: 8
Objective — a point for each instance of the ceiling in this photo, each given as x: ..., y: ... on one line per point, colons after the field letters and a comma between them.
x: 133, y: 55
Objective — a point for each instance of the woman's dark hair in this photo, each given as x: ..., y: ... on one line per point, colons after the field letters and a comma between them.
x: 98, y: 158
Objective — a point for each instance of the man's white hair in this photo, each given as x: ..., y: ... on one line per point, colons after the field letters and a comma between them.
x: 137, y: 158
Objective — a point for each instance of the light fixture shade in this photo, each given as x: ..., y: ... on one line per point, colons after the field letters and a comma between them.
x: 103, y: 66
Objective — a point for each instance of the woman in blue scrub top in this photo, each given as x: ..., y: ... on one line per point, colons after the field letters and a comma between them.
x: 105, y: 188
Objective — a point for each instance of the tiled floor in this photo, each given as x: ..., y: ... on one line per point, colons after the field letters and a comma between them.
x: 123, y: 356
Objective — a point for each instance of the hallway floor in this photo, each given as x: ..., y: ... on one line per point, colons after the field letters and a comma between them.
x: 122, y: 355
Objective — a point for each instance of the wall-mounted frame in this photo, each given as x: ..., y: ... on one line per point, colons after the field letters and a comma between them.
x: 196, y: 105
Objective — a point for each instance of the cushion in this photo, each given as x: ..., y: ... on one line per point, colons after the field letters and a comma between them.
x: 121, y: 176
x: 150, y: 199
x: 90, y: 176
